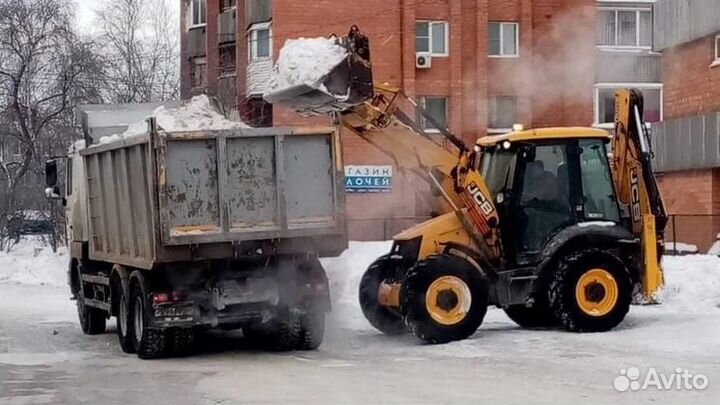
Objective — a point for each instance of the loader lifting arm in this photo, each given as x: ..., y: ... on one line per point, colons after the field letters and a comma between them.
x: 372, y: 111
x: 636, y: 186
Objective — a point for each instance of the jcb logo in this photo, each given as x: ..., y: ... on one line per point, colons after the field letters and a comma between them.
x: 480, y: 199
x: 635, y: 192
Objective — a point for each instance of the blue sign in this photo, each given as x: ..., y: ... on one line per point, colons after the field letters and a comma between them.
x: 368, y: 179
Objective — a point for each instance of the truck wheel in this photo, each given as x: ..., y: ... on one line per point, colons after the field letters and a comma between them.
x: 182, y: 341
x: 444, y: 298
x: 92, y: 320
x: 311, y: 330
x: 590, y: 291
x: 282, y: 333
x: 149, y: 343
x: 124, y: 326
x: 539, y: 315
x: 379, y: 316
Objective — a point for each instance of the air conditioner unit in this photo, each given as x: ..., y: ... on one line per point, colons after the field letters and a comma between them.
x: 423, y: 60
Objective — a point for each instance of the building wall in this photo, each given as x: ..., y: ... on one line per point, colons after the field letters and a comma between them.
x: 692, y: 86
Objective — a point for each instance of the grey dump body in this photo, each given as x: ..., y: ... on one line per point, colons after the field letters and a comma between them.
x: 166, y: 197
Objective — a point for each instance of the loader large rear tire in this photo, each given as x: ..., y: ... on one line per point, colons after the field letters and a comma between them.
x: 590, y: 291
x: 444, y: 298
x: 379, y: 316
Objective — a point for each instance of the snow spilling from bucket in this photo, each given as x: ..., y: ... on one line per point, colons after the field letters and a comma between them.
x: 305, y: 61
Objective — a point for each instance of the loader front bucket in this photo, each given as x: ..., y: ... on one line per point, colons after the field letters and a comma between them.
x: 346, y: 85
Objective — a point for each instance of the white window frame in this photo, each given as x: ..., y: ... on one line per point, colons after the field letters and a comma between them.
x: 491, y: 130
x: 202, y: 18
x: 433, y: 130
x: 637, y: 45
x: 716, y: 60
x: 430, y: 37
x: 252, y: 41
x: 640, y: 86
x: 517, y: 39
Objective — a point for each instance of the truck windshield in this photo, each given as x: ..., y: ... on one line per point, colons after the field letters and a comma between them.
x: 498, y: 169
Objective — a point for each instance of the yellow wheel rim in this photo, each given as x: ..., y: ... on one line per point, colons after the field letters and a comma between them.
x: 597, y: 292
x: 448, y: 300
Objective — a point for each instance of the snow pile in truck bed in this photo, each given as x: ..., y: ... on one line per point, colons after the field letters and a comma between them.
x: 32, y: 261
x: 305, y: 61
x: 195, y: 115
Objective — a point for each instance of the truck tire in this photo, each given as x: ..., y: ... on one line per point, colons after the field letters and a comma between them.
x: 539, y: 315
x: 590, y: 291
x: 123, y: 319
x: 311, y: 329
x: 92, y: 320
x: 444, y: 298
x: 380, y: 317
x: 182, y: 341
x: 149, y: 343
x: 283, y: 332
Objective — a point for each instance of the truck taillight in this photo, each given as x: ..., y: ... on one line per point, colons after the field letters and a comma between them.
x: 159, y: 298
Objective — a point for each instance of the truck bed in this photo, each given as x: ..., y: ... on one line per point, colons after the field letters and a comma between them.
x: 177, y: 196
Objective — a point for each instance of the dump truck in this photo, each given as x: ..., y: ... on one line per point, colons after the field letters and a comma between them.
x: 538, y: 222
x: 174, y: 232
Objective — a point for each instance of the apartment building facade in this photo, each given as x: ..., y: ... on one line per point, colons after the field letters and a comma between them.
x: 478, y: 66
x: 687, y: 32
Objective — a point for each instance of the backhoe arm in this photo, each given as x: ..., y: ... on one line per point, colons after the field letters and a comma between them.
x: 636, y: 185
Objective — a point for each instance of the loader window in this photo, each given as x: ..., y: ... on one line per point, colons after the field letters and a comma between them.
x: 600, y: 202
x: 498, y: 169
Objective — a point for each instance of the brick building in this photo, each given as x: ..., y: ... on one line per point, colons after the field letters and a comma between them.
x: 687, y: 32
x: 493, y: 63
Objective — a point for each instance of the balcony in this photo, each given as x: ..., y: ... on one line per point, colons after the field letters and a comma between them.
x: 196, y: 42
x: 687, y: 143
x: 622, y: 67
x: 258, y: 75
x: 227, y: 26
x: 680, y: 21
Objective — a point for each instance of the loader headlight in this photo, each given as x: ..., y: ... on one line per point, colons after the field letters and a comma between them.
x: 506, y: 145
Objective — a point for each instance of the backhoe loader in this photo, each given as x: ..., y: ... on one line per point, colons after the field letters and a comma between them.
x: 540, y: 223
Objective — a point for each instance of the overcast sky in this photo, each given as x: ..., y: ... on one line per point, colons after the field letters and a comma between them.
x: 86, y: 12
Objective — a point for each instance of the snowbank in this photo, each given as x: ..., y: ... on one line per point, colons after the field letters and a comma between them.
x: 195, y: 115
x: 680, y: 247
x: 692, y: 283
x: 32, y: 261
x: 305, y: 61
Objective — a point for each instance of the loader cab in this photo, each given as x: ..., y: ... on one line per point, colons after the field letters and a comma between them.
x: 544, y: 181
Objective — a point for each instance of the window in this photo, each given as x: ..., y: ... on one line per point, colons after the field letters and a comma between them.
x: 260, y: 41
x: 228, y: 4
x: 503, y: 39
x: 227, y: 59
x: 717, y: 51
x: 432, y: 36
x: 69, y: 177
x: 198, y: 72
x: 436, y: 107
x: 605, y: 102
x: 597, y: 183
x: 258, y: 113
x: 502, y: 113
x: 624, y: 28
x: 199, y: 13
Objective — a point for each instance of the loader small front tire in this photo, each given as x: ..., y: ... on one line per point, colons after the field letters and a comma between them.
x: 379, y: 316
x: 150, y: 343
x: 590, y: 291
x: 444, y: 298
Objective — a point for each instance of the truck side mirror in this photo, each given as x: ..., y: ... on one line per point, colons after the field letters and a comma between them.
x: 51, y: 173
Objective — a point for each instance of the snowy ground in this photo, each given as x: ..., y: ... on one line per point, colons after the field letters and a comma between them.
x: 44, y: 358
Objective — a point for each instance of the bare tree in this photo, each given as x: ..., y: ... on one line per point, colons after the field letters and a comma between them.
x: 44, y: 70
x: 140, y: 42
